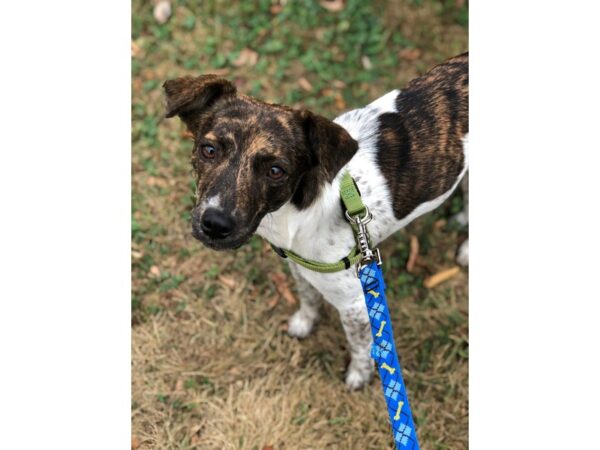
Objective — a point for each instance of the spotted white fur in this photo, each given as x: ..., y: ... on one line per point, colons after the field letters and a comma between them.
x: 320, y: 233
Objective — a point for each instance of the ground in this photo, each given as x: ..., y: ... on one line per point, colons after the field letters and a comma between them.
x: 212, y: 366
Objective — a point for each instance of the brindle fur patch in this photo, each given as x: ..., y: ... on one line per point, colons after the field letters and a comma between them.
x: 420, y: 148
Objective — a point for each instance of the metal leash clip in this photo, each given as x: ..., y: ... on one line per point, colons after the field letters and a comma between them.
x: 362, y: 237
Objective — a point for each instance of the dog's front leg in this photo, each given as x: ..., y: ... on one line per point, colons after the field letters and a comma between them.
x: 302, y: 321
x: 355, y: 320
x: 344, y: 291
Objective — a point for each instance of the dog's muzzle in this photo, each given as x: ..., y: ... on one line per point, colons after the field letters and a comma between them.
x: 215, y: 224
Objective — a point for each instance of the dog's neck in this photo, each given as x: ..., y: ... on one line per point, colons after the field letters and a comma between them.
x: 288, y: 224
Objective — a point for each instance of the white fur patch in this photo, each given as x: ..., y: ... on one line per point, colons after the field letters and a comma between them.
x: 211, y: 202
x: 385, y: 103
x: 214, y: 201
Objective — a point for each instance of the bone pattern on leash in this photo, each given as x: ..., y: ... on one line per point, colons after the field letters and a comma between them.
x: 383, y: 351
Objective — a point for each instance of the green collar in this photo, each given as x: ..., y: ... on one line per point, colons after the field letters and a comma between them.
x: 354, y: 207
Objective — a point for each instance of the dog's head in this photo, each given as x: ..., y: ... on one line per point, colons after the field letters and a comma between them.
x: 250, y: 157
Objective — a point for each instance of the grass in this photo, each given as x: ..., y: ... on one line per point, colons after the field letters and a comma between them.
x: 212, y: 367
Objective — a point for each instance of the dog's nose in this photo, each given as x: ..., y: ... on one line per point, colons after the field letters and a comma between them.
x: 217, y: 224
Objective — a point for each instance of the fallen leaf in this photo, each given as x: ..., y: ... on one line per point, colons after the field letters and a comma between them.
x: 276, y: 9
x: 282, y: 286
x: 162, y: 11
x: 366, y: 62
x: 338, y: 84
x: 305, y: 84
x: 135, y: 254
x: 137, y: 84
x: 439, y: 224
x: 333, y: 5
x: 410, y: 54
x: 227, y: 281
x: 179, y: 385
x: 272, y: 303
x: 414, y: 252
x: 135, y: 49
x: 197, y: 430
x: 156, y: 181
x: 154, y: 271
x: 246, y: 57
x: 440, y: 277
x: 266, y: 248
x: 135, y: 442
x: 149, y: 74
x: 340, y: 103
x: 267, y: 447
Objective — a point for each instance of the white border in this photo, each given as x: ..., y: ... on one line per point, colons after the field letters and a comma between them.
x: 64, y: 227
x: 534, y: 228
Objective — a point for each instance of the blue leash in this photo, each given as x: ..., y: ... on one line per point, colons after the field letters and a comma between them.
x: 383, y: 351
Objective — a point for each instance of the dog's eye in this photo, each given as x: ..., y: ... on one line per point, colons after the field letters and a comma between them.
x: 208, y: 151
x: 276, y: 173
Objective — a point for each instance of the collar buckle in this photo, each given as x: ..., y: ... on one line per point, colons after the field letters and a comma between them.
x: 363, y: 240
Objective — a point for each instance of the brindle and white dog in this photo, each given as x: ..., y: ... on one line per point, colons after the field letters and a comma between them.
x: 275, y: 171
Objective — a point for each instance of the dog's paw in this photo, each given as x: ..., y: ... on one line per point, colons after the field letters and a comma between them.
x: 359, y: 377
x: 462, y: 255
x: 300, y: 324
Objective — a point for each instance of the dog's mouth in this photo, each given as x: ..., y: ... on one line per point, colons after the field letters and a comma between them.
x: 231, y: 242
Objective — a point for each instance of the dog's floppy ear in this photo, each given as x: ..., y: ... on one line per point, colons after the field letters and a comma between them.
x: 330, y: 147
x: 189, y: 96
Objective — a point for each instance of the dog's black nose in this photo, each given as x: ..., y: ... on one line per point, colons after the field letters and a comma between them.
x: 217, y: 224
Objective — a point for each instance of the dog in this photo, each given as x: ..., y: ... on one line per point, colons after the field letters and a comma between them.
x: 275, y: 171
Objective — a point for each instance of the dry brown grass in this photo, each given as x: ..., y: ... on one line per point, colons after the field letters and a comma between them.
x: 212, y: 366
x: 222, y: 374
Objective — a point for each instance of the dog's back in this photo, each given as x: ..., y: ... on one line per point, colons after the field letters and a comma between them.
x: 421, y: 145
x: 414, y: 143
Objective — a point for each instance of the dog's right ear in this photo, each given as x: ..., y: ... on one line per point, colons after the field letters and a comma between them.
x: 188, y: 96
x: 329, y: 148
